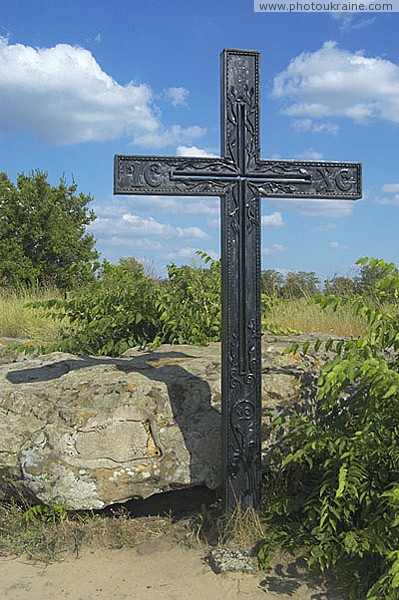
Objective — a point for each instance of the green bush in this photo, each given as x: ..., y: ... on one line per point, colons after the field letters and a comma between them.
x: 338, y: 462
x: 117, y: 311
x: 123, y: 307
x: 189, y: 304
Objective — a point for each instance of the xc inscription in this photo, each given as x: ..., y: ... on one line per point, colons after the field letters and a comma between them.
x: 240, y: 178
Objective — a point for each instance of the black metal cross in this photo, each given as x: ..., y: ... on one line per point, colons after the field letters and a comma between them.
x: 240, y: 178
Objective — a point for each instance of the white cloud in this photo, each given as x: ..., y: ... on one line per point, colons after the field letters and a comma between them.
x: 127, y: 224
x: 390, y: 187
x: 338, y: 246
x: 177, y: 96
x: 317, y: 208
x: 62, y: 96
x: 351, y: 21
x: 273, y: 249
x: 274, y: 220
x: 206, y: 206
x: 310, y: 154
x: 192, y: 151
x: 333, y: 82
x: 325, y: 228
x: 386, y: 200
x: 168, y: 137
x: 134, y: 244
x: 189, y: 253
x: 150, y: 226
x: 303, y: 125
x: 214, y: 223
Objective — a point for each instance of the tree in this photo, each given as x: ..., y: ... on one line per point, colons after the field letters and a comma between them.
x: 43, y: 235
x: 339, y: 286
x: 272, y: 282
x: 300, y: 284
x: 370, y: 274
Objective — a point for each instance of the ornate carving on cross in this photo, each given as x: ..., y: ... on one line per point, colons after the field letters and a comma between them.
x: 240, y: 178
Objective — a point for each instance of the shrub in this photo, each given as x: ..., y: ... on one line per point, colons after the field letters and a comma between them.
x: 189, y: 304
x: 124, y: 307
x: 338, y: 462
x: 117, y: 311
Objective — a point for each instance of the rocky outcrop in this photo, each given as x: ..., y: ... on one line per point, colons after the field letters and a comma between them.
x: 92, y: 431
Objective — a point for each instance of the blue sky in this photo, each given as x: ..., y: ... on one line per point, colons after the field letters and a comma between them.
x: 82, y: 81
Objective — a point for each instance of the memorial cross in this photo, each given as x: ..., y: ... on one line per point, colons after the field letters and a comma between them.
x: 240, y: 178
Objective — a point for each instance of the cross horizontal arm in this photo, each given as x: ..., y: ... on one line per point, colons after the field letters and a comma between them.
x: 302, y: 179
x: 171, y: 175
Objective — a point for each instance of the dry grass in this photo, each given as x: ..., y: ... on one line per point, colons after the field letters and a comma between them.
x: 46, y: 534
x: 305, y: 316
x: 46, y: 540
x: 17, y: 320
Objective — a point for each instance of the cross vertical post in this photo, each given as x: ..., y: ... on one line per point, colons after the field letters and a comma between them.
x: 240, y: 178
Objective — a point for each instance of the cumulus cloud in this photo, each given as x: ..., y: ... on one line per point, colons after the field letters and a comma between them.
x: 333, y: 82
x: 140, y: 226
x: 310, y: 154
x: 391, y: 191
x: 274, y: 220
x: 173, y: 135
x: 317, y: 208
x: 303, y: 125
x: 190, y: 254
x: 192, y: 151
x: 273, y: 249
x: 177, y: 96
x: 62, y: 96
x: 109, y: 224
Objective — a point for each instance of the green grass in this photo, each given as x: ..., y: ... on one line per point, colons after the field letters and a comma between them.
x: 17, y: 320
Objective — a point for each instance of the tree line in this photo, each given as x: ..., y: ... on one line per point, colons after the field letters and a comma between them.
x: 301, y: 284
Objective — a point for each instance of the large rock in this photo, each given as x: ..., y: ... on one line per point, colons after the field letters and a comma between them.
x: 92, y: 431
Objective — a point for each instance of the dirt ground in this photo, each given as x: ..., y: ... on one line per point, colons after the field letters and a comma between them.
x: 154, y: 570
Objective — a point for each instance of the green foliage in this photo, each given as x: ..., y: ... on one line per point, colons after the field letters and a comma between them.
x: 272, y: 282
x: 123, y: 308
x: 189, y: 304
x: 53, y: 513
x: 339, y: 286
x: 116, y: 312
x: 372, y: 272
x: 338, y: 461
x: 42, y: 233
x: 302, y: 283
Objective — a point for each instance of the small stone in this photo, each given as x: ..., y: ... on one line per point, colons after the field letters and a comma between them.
x: 223, y: 560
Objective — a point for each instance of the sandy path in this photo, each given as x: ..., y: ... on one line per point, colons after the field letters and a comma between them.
x: 152, y: 571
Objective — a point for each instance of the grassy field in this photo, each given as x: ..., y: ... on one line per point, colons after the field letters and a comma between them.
x: 18, y: 320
